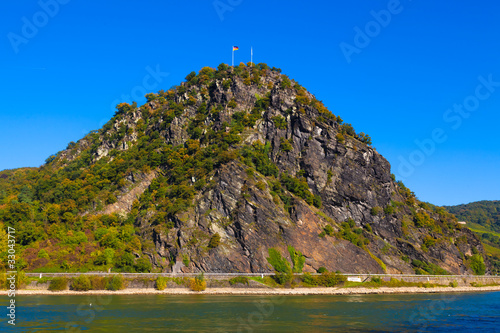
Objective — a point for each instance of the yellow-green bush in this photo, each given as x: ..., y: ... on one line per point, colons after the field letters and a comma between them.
x: 58, y: 284
x: 326, y: 279
x: 117, y: 282
x: 198, y: 283
x: 161, y: 283
x: 98, y: 282
x: 239, y: 279
x: 81, y: 283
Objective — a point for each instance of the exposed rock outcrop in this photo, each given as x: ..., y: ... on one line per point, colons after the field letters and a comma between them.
x: 330, y: 195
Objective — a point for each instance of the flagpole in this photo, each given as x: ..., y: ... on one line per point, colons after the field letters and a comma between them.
x: 232, y: 63
x: 251, y: 56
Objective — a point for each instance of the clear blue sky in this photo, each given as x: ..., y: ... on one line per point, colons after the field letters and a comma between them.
x: 62, y: 79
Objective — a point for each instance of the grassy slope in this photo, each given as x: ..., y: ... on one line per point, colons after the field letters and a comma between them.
x: 492, y: 251
x: 477, y: 228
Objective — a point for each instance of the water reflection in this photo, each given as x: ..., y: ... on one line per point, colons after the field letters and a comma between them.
x: 218, y: 313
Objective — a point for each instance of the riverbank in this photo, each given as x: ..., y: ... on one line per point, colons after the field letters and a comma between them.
x: 263, y: 291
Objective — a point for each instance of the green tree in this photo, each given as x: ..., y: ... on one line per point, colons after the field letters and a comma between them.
x: 125, y: 261
x: 279, y: 263
x: 3, y: 244
x: 105, y: 258
x: 214, y: 241
x: 298, y: 259
x: 81, y: 283
x: 143, y: 265
x: 281, y: 266
x: 26, y: 194
x: 389, y: 210
x: 280, y: 122
x: 190, y: 76
x: 29, y: 232
x: 477, y: 264
x: 117, y: 282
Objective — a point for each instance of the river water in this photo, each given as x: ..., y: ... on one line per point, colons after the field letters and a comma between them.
x: 460, y: 312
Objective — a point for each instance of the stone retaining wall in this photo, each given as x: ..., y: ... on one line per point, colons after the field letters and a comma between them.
x: 149, y: 282
x: 144, y: 281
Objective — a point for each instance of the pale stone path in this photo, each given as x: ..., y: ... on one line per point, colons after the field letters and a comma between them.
x: 258, y: 291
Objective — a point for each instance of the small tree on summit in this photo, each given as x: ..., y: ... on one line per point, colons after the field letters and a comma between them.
x: 365, y: 138
x: 190, y: 76
x: 123, y: 108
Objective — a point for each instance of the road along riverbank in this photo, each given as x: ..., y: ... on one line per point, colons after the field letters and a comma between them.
x: 264, y: 291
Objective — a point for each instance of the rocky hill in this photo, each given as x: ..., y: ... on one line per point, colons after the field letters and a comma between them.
x: 211, y: 174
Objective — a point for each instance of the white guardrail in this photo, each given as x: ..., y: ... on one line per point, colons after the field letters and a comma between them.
x: 145, y: 275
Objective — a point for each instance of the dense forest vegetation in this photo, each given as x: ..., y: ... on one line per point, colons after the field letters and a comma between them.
x: 485, y: 213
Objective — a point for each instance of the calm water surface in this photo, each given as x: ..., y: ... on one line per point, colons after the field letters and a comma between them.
x: 470, y: 312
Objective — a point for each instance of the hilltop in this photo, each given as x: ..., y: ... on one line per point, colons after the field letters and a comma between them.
x: 217, y: 173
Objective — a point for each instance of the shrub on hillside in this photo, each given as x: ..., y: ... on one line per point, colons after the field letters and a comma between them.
x: 282, y: 278
x: 98, y: 282
x: 375, y: 210
x: 279, y: 263
x: 280, y: 122
x: 389, y: 210
x: 329, y: 230
x: 117, y: 282
x: 3, y: 281
x: 322, y: 270
x: 477, y: 264
x: 298, y: 259
x: 424, y: 268
x: 161, y: 283
x: 20, y: 282
x: 198, y: 283
x: 350, y: 232
x: 239, y: 279
x: 326, y: 279
x: 282, y: 266
x: 286, y: 145
x: 58, y: 283
x: 142, y: 265
x: 81, y: 283
x: 214, y: 241
x: 330, y: 279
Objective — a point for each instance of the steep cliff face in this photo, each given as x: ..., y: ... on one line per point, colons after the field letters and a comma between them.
x: 241, y: 160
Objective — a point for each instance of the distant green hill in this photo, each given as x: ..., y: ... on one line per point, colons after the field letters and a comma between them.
x: 484, y: 213
x: 483, y: 218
